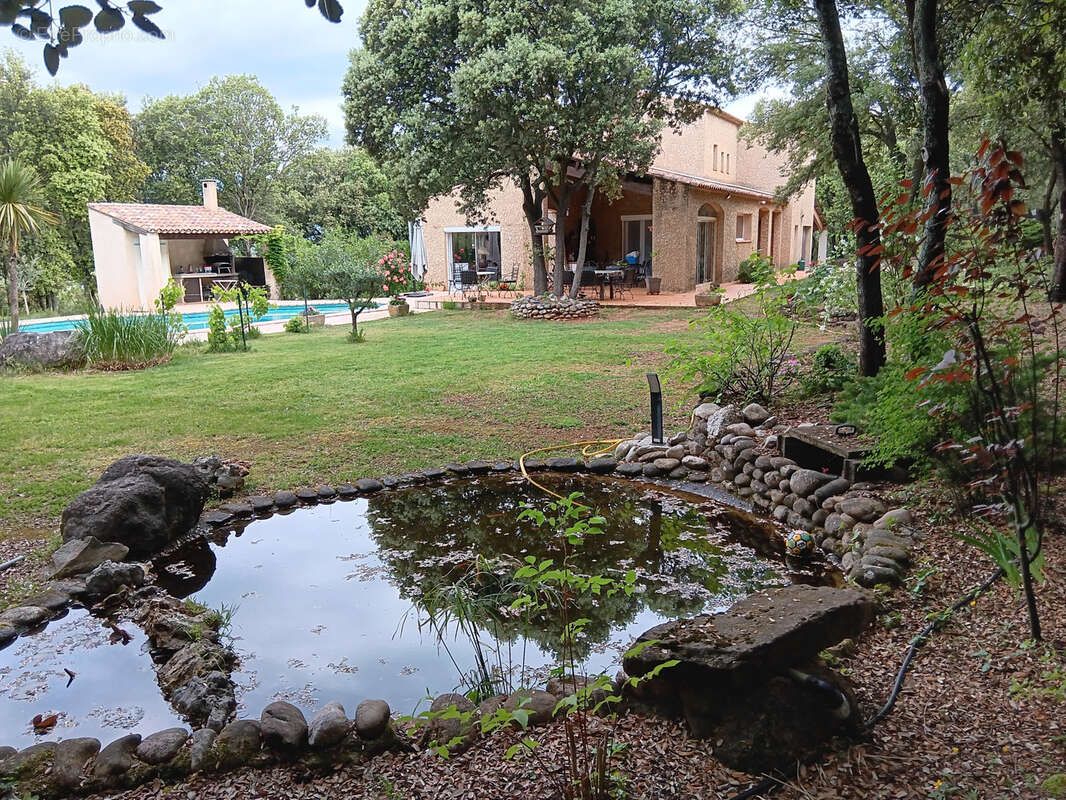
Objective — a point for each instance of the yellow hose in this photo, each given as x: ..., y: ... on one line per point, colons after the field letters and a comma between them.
x: 606, y: 445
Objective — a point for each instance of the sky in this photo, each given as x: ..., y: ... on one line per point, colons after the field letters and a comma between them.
x: 299, y: 56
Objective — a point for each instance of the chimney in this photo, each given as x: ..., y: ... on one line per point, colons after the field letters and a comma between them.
x: 210, y: 194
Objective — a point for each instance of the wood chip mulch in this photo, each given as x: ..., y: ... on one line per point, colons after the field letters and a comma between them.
x: 958, y: 730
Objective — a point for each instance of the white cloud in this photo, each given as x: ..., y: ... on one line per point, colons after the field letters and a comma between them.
x: 297, y: 54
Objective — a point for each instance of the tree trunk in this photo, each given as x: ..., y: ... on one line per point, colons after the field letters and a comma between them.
x: 582, y: 250
x: 532, y: 205
x: 1058, y: 150
x: 562, y: 205
x: 13, y: 289
x: 847, y: 149
x: 1048, y: 210
x: 936, y: 187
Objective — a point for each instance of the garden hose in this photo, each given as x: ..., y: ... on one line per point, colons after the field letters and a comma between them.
x: 605, y: 446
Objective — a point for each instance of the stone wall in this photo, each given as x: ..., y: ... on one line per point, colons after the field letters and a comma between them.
x: 553, y: 308
x: 737, y: 449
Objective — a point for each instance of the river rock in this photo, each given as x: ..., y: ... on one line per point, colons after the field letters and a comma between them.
x: 283, y: 726
x: 706, y: 410
x: 666, y: 464
x: 805, y: 481
x: 719, y: 420
x: 285, y: 499
x: 695, y: 462
x: 160, y: 747
x: 117, y: 758
x: 372, y: 719
x: 84, y: 555
x: 144, y: 502
x: 755, y: 415
x: 631, y: 469
x: 328, y: 726
x: 200, y: 748
x: 894, y: 518
x: 864, y: 509
x: 24, y: 617
x: 832, y: 489
x: 454, y: 725
x: 71, y: 758
x: 36, y: 351
x: 741, y: 429
x: 540, y: 705
x: 369, y: 485
x: 238, y: 743
x: 109, y: 577
x: 602, y: 466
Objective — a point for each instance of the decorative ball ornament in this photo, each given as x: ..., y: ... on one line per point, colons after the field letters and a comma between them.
x: 799, y: 544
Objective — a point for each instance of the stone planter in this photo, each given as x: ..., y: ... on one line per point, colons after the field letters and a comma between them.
x: 316, y: 320
x: 399, y: 310
x: 653, y: 284
x: 708, y: 300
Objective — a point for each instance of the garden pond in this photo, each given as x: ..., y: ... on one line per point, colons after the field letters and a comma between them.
x: 325, y: 603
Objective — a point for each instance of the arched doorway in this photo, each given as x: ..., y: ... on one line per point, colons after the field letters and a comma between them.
x: 706, y: 250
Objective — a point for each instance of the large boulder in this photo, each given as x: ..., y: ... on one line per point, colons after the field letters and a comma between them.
x: 761, y: 635
x: 144, y: 502
x: 750, y: 678
x: 34, y: 351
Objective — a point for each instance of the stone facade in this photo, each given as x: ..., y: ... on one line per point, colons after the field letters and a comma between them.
x: 704, y: 167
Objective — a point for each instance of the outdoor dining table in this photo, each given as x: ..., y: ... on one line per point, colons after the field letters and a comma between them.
x: 606, y: 276
x: 484, y: 277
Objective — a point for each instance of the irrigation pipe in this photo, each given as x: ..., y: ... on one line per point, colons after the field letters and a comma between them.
x: 13, y: 562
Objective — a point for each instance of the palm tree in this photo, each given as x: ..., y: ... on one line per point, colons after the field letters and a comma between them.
x: 19, y: 189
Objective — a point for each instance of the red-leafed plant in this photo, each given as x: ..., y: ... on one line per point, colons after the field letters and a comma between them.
x: 988, y: 297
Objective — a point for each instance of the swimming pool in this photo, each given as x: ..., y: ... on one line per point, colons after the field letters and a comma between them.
x: 197, y: 321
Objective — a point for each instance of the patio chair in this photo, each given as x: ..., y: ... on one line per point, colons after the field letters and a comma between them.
x: 509, y: 284
x: 468, y: 282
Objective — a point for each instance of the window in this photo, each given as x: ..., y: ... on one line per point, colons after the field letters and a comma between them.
x: 727, y: 163
x: 636, y: 237
x: 715, y: 161
x: 743, y: 227
x: 473, y: 249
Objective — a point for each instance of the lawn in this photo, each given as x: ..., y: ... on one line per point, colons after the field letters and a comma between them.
x: 304, y: 409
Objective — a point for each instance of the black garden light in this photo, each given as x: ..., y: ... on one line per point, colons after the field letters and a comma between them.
x: 656, y: 408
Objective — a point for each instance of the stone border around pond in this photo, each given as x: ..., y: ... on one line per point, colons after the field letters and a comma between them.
x: 194, y: 668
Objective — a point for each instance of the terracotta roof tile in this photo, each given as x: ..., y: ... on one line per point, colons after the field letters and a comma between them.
x: 707, y: 183
x: 180, y: 220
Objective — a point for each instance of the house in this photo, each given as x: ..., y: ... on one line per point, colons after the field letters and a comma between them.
x: 139, y: 247
x: 706, y: 203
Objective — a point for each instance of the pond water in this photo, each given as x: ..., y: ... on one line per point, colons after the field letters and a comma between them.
x: 113, y: 690
x: 325, y: 601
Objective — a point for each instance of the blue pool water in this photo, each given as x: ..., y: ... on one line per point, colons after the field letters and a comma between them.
x: 198, y: 321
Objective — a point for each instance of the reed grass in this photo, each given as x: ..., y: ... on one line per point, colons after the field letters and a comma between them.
x: 122, y: 340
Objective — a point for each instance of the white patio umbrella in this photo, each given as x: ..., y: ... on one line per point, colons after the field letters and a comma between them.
x: 419, y: 262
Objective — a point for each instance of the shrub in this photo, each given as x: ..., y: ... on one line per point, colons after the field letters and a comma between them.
x: 296, y: 325
x: 738, y: 358
x: 755, y: 269
x: 831, y: 367
x: 113, y: 340
x: 218, y: 340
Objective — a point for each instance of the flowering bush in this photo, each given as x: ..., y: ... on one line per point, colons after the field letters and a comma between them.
x: 396, y: 276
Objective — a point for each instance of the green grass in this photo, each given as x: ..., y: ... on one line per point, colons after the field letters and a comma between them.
x: 422, y: 391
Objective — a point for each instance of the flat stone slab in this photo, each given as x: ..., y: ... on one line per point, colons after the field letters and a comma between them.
x: 563, y: 464
x: 478, y: 467
x: 307, y: 495
x: 217, y: 518
x: 285, y: 499
x: 261, y: 505
x: 762, y: 634
x: 434, y: 473
x: 85, y: 555
x: 347, y: 491
x: 367, y: 485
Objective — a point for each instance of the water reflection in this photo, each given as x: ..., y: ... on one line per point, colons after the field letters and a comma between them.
x: 322, y: 594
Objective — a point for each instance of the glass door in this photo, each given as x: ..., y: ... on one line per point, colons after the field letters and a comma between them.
x: 705, y: 236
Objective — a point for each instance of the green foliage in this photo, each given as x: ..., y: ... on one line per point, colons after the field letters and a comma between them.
x: 1051, y: 682
x: 20, y: 217
x: 297, y: 324
x: 117, y: 340
x: 832, y: 366
x: 218, y: 340
x: 755, y: 269
x: 254, y: 304
x: 343, y: 189
x: 232, y: 130
x: 81, y: 145
x: 736, y: 356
